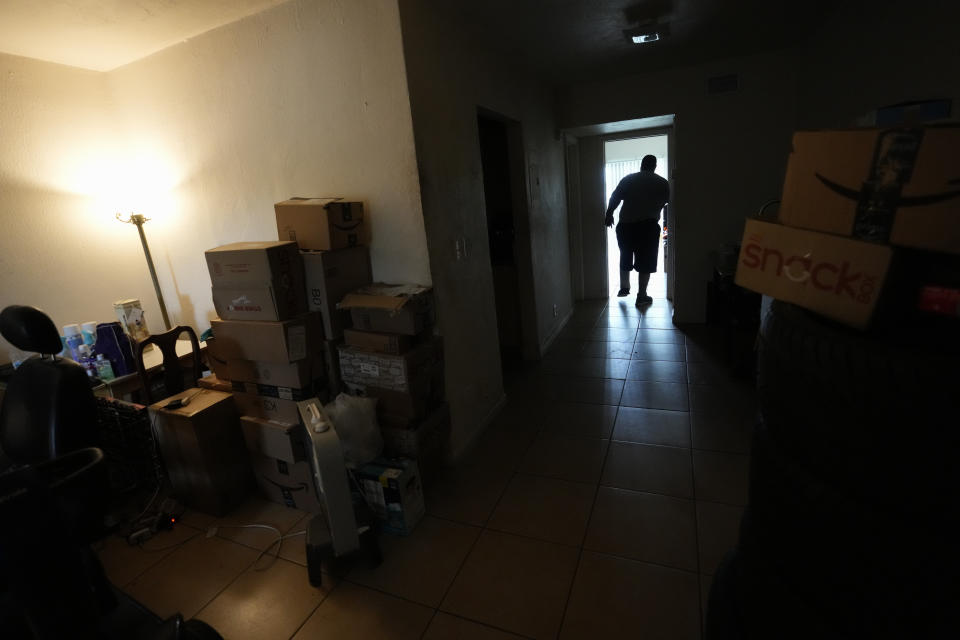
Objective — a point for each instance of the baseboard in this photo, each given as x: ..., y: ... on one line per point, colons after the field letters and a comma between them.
x: 545, y: 346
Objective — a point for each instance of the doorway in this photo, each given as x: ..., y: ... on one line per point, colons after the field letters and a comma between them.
x: 621, y: 157
x: 504, y: 197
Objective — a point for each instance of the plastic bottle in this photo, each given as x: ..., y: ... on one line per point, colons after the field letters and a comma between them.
x: 74, y: 338
x: 89, y: 332
x: 104, y: 368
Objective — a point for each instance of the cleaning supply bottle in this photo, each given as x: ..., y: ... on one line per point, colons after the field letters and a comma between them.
x: 74, y: 338
x: 89, y: 332
x: 104, y: 368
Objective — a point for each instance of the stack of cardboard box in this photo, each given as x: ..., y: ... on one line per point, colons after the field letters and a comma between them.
x: 332, y: 236
x: 855, y: 205
x: 391, y: 354
x: 269, y: 348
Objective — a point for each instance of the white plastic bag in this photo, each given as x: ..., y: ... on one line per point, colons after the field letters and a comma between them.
x: 355, y: 421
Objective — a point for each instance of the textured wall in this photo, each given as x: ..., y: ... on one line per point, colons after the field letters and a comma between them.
x: 307, y: 98
x: 451, y: 74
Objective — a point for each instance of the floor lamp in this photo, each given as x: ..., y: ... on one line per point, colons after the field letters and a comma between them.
x: 139, y: 220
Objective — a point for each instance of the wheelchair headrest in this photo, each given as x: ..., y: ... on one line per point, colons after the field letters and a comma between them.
x: 29, y: 329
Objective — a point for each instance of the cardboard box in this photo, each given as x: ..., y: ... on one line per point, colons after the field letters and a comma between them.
x: 203, y: 450
x: 284, y: 341
x: 390, y: 308
x: 393, y: 489
x: 289, y: 484
x: 881, y: 185
x: 276, y: 409
x: 392, y: 343
x: 273, y: 391
x: 838, y: 277
x: 330, y: 275
x: 280, y: 440
x: 321, y: 224
x: 386, y: 371
x: 258, y: 302
x: 216, y: 384
x: 295, y: 375
x: 256, y: 263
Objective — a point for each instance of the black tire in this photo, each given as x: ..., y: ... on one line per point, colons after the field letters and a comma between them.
x: 877, y: 419
x: 860, y: 567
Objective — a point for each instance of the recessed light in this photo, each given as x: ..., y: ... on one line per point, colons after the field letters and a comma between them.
x: 645, y: 38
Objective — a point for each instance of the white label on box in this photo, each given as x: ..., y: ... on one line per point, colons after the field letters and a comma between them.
x: 368, y: 369
x: 297, y: 343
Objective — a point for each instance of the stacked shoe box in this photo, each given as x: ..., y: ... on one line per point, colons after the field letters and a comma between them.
x: 332, y: 237
x: 868, y: 219
x: 390, y: 353
x: 269, y: 347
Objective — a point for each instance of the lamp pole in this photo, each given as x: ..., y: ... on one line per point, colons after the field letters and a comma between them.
x: 139, y: 220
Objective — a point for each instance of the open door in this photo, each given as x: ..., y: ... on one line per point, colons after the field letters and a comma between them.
x: 499, y: 197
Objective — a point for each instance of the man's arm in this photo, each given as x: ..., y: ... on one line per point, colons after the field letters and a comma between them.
x: 615, y: 201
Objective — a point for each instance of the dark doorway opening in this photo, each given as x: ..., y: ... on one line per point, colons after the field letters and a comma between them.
x: 500, y: 196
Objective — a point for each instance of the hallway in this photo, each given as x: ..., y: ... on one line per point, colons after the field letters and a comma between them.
x: 610, y: 486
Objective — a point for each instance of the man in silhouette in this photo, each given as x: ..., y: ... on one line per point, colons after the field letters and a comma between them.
x: 638, y: 233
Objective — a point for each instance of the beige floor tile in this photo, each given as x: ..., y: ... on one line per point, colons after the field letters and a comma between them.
x: 652, y: 426
x: 619, y: 598
x: 578, y: 419
x: 514, y: 583
x: 197, y: 519
x: 644, y: 526
x: 352, y: 612
x: 268, y: 603
x: 257, y: 511
x: 422, y: 566
x: 123, y: 562
x: 557, y: 456
x: 719, y: 530
x: 645, y: 467
x: 191, y: 576
x: 721, y: 477
x: 544, y: 508
x: 467, y: 494
x: 501, y: 446
x: 447, y: 627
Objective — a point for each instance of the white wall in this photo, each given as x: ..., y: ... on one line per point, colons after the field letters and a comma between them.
x: 730, y: 155
x: 60, y: 248
x: 451, y: 74
x: 307, y: 98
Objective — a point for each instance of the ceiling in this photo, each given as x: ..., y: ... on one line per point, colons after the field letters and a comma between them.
x: 567, y: 40
x: 105, y: 34
x: 572, y: 40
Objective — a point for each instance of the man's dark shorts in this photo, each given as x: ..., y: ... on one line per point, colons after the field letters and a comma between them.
x: 639, y: 244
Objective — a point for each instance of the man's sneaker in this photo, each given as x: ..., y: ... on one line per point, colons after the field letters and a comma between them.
x: 642, y: 300
x: 623, y: 293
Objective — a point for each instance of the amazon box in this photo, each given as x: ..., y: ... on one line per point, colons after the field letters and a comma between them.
x: 295, y: 375
x: 263, y: 302
x: 321, y: 224
x: 280, y: 440
x: 406, y: 309
x: 268, y: 408
x: 287, y: 483
x: 898, y: 186
x: 330, y: 275
x: 836, y: 276
x: 285, y: 341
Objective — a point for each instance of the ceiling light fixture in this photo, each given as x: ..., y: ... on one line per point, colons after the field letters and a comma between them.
x: 647, y: 33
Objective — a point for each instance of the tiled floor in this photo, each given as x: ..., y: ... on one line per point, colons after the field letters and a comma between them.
x: 598, y: 504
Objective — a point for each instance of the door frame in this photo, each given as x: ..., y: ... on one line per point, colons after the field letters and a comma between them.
x: 523, y: 253
x: 671, y: 210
